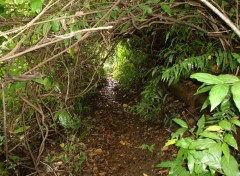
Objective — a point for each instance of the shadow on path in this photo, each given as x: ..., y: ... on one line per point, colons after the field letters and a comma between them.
x: 113, y: 143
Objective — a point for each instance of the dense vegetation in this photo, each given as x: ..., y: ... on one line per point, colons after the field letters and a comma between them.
x: 52, y: 56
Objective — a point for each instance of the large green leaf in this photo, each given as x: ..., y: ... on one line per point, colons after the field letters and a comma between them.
x: 178, y: 170
x: 228, y: 78
x: 217, y: 94
x: 125, y: 27
x: 210, y: 135
x: 48, y: 84
x: 179, y: 132
x: 201, y: 144
x: 236, y: 94
x: 21, y: 129
x: 166, y: 164
x: 36, y: 5
x: 235, y: 122
x: 225, y: 104
x: 180, y: 122
x: 230, y: 140
x: 166, y: 8
x: 147, y: 9
x: 236, y: 56
x: 199, y: 168
x: 211, y: 160
x: 64, y: 118
x: 206, y: 78
x: 205, y: 104
x: 172, y: 163
x: 203, y: 89
x: 170, y: 142
x: 225, y: 125
x: 114, y: 14
x: 205, y: 158
x: 226, y: 151
x: 38, y: 80
x: 190, y: 163
x: 216, y: 150
x: 214, y: 128
x: 201, y: 124
x: 55, y: 25
x: 184, y: 142
x: 230, y: 168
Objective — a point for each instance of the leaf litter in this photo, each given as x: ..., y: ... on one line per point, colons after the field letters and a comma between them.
x: 120, y: 143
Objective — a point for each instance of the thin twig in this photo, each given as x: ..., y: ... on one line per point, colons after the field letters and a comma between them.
x: 49, y: 167
x: 5, y: 122
x: 23, y: 28
x: 86, y: 35
x: 11, y: 31
x: 222, y: 16
x: 237, y: 15
x: 68, y: 84
x: 44, y: 136
x: 55, y: 40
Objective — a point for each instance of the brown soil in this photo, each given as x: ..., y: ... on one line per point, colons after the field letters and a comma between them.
x: 114, y: 142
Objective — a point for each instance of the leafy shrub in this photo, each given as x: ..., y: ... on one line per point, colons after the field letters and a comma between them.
x: 150, y: 106
x: 127, y: 68
x: 212, y: 62
x: 208, y: 150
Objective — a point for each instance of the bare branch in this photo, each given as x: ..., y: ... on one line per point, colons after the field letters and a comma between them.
x: 5, y: 122
x: 222, y: 16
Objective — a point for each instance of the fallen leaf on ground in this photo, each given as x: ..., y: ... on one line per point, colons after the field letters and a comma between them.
x: 96, y: 152
x: 62, y: 145
x: 59, y: 163
x: 102, y: 173
x: 163, y: 172
x: 125, y: 143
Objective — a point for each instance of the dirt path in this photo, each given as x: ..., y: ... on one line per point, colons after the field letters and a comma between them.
x: 113, y: 143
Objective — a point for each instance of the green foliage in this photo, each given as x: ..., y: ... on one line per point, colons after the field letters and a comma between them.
x: 68, y: 122
x: 212, y: 62
x: 36, y: 5
x: 71, y: 155
x: 77, y: 71
x: 64, y: 119
x: 21, y: 129
x: 166, y: 8
x: 150, y: 106
x: 19, y: 8
x: 220, y: 89
x: 127, y: 64
x: 150, y: 148
x: 1, y: 140
x: 55, y: 25
x: 206, y: 152
x: 180, y: 122
x: 81, y: 106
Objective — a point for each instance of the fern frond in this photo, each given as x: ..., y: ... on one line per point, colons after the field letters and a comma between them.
x: 220, y: 60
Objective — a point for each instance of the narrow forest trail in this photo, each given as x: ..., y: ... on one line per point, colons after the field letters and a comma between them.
x: 113, y: 143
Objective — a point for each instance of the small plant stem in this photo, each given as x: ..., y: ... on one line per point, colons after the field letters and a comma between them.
x: 237, y: 71
x: 4, y: 122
